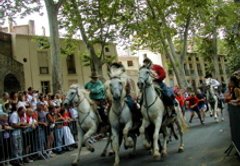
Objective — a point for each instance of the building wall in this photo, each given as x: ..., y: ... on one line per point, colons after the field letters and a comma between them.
x: 195, y: 70
x: 26, y: 51
x: 9, y: 66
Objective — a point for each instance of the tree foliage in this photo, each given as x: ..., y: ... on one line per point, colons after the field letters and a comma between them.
x: 10, y: 9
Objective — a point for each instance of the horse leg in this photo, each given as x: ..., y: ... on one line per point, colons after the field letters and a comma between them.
x: 104, y: 153
x: 180, y: 130
x: 128, y: 140
x: 142, y: 132
x: 80, y: 141
x: 115, y: 145
x: 165, y: 139
x: 86, y: 137
x: 216, y: 111
x: 158, y: 123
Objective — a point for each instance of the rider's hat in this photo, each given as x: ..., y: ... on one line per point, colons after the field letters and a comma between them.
x: 94, y: 75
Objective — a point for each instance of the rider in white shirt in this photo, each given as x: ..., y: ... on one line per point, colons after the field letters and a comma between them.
x: 211, y: 81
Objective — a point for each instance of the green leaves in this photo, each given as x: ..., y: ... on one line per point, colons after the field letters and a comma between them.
x: 18, y: 8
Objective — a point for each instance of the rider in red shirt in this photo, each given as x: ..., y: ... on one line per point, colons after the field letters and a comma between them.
x: 159, y: 75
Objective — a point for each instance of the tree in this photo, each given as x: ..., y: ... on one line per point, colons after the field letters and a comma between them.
x: 159, y: 24
x: 11, y: 9
x: 96, y: 21
x: 52, y: 8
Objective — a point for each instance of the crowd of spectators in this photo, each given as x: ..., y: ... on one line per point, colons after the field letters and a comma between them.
x: 35, y: 125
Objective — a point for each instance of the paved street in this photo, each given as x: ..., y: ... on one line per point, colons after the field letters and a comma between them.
x: 204, y: 146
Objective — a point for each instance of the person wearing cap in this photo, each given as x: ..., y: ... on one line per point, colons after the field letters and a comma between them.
x: 159, y: 75
x: 97, y: 94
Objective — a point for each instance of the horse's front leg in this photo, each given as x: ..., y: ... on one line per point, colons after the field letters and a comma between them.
x: 88, y: 134
x: 180, y: 130
x: 165, y: 140
x: 158, y: 123
x: 104, y: 153
x: 115, y: 145
x: 80, y: 141
x: 216, y: 114
x: 128, y: 140
x: 145, y: 123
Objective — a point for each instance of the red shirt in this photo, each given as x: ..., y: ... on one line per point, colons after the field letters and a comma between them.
x: 161, y: 74
x: 180, y: 99
x: 192, y: 101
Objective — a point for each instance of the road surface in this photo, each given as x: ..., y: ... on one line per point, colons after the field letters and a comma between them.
x: 204, y: 146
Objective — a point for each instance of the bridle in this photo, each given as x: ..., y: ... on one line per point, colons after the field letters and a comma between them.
x: 148, y: 84
x: 70, y: 100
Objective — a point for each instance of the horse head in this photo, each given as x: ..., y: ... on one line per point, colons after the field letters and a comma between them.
x: 144, y: 77
x: 117, y: 88
x: 73, y: 96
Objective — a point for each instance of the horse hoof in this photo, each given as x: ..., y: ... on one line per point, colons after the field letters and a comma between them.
x: 147, y: 146
x: 180, y: 150
x: 74, y: 164
x: 116, y: 164
x: 111, y: 153
x: 163, y: 155
x: 103, y: 154
x: 156, y: 155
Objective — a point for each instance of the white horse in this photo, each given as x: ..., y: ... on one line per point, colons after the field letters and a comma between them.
x: 153, y: 111
x: 120, y: 116
x: 87, y: 118
x: 212, y: 99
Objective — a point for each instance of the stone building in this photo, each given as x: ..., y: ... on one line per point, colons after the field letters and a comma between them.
x: 27, y: 52
x: 11, y: 71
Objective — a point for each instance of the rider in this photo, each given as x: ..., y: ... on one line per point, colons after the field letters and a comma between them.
x: 160, y: 75
x: 97, y: 94
x: 129, y: 98
x: 213, y: 82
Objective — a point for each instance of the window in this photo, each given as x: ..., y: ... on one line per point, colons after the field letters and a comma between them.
x: 43, y: 70
x: 71, y: 68
x: 107, y: 49
x: 197, y: 59
x: 130, y: 63
x: 190, y: 66
x: 43, y: 62
x: 199, y: 70
x: 170, y: 72
x: 189, y: 58
x: 222, y: 79
x: 45, y: 85
x: 186, y: 70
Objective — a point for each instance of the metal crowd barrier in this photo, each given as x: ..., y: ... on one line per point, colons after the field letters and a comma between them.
x: 33, y: 141
x: 234, y: 115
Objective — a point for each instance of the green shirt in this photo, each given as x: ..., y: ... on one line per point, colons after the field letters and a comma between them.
x: 96, y: 89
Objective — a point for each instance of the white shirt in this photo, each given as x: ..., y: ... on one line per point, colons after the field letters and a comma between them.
x: 73, y: 112
x: 14, y: 119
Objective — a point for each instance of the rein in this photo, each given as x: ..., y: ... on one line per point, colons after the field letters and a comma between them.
x: 78, y: 103
x: 147, y: 85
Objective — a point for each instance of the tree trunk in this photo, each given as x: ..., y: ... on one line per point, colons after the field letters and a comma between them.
x: 57, y: 78
x: 215, y: 55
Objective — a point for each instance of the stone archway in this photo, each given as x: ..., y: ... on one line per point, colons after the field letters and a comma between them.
x: 11, y: 83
